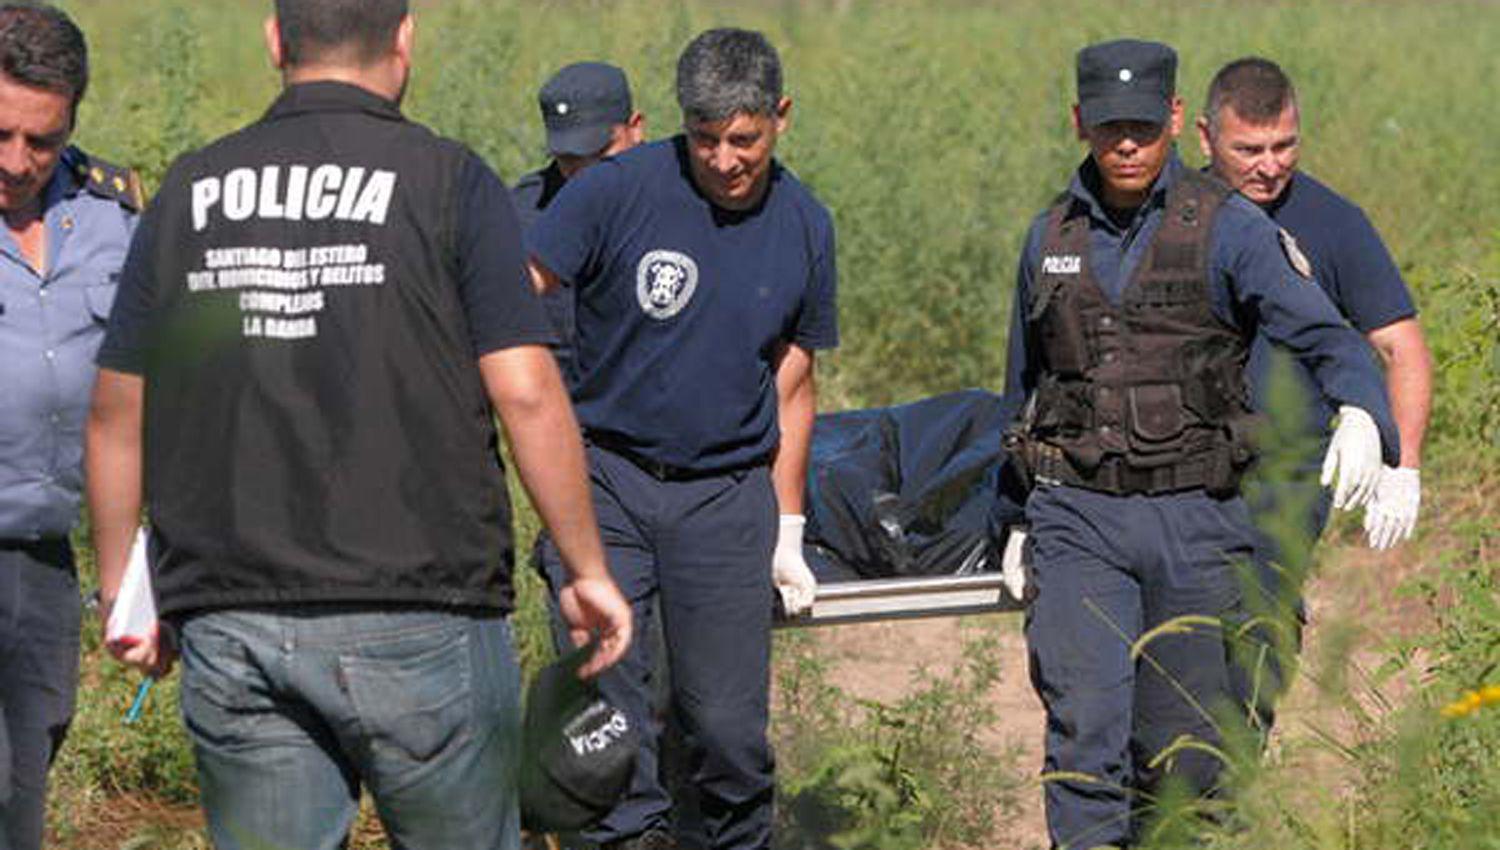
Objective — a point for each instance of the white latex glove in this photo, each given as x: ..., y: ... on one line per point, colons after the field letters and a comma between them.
x: 1391, y: 516
x: 789, y: 572
x: 1353, y: 462
x: 1013, y: 564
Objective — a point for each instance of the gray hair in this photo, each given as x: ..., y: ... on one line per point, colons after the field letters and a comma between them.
x: 1256, y: 89
x: 727, y: 71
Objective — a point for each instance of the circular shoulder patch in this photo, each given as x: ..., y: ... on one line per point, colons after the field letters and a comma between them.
x: 664, y: 282
x: 1294, y: 254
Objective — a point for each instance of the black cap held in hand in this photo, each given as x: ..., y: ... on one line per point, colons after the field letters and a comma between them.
x: 1126, y: 80
x: 581, y: 104
x: 577, y: 753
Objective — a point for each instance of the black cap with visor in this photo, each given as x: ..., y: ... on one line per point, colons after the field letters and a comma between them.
x: 581, y: 104
x: 1126, y: 80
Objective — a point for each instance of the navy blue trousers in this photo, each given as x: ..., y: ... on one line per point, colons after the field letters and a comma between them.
x: 1109, y: 569
x: 40, y: 614
x: 697, y: 554
x: 1289, y: 516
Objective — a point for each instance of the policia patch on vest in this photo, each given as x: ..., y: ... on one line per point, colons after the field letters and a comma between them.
x: 1294, y: 255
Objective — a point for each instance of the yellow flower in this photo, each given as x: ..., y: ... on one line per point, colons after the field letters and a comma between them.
x: 1472, y: 701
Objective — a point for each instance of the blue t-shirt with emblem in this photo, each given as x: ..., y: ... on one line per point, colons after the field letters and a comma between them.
x: 1353, y: 267
x: 682, y: 307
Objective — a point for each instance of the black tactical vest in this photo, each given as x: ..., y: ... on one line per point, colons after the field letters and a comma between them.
x: 316, y: 427
x: 1147, y: 396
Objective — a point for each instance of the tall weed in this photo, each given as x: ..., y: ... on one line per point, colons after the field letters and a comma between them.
x: 861, y: 774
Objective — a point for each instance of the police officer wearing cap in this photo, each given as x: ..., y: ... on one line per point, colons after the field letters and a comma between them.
x: 704, y: 277
x: 1137, y: 295
x: 1250, y: 130
x: 587, y: 111
x: 68, y: 221
x: 319, y: 320
x: 586, y: 108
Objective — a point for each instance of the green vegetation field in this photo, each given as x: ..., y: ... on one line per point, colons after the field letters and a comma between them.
x: 935, y: 131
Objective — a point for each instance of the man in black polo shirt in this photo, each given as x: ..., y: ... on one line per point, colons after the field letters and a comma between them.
x: 290, y: 371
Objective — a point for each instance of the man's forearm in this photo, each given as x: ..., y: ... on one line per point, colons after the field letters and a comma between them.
x: 1408, y: 381
x: 528, y: 393
x: 797, y: 403
x: 1411, y: 403
x: 112, y: 464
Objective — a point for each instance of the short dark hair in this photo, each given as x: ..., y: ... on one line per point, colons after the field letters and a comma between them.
x: 1256, y: 89
x: 42, y: 48
x: 726, y: 71
x: 358, y: 31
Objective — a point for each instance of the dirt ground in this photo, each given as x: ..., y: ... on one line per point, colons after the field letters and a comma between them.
x: 1350, y: 600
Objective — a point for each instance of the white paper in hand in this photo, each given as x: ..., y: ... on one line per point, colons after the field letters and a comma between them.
x: 134, y: 614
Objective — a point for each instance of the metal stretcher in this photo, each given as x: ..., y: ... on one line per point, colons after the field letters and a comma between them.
x: 907, y: 507
x: 871, y: 600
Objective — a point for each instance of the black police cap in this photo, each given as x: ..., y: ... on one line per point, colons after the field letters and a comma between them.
x: 577, y: 753
x: 1126, y: 80
x: 580, y: 104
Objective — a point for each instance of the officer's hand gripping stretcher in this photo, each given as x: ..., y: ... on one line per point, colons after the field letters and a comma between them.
x: 930, y: 449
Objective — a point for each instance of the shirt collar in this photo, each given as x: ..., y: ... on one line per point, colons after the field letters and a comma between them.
x: 720, y: 214
x: 331, y: 96
x: 1085, y: 186
x: 68, y: 178
x: 1286, y: 195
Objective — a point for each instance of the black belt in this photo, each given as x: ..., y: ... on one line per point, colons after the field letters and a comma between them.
x: 1207, y: 471
x: 51, y: 550
x: 665, y: 471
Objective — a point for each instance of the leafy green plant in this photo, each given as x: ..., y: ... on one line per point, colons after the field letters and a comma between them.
x: 866, y: 775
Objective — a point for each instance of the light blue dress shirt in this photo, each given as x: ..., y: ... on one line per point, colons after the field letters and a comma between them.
x: 51, y: 323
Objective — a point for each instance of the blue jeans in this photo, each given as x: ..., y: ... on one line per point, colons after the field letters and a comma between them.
x: 292, y: 709
x: 39, y: 619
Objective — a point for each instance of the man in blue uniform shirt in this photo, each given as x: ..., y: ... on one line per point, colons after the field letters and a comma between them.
x: 704, y: 278
x: 68, y: 221
x: 587, y: 111
x: 1136, y: 296
x: 1251, y: 132
x: 586, y: 108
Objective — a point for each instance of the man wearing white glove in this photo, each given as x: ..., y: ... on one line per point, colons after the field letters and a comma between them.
x: 1136, y: 296
x: 1352, y: 465
x: 1251, y: 132
x: 704, y: 279
x: 1391, y: 516
x: 789, y: 571
x: 1013, y: 566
